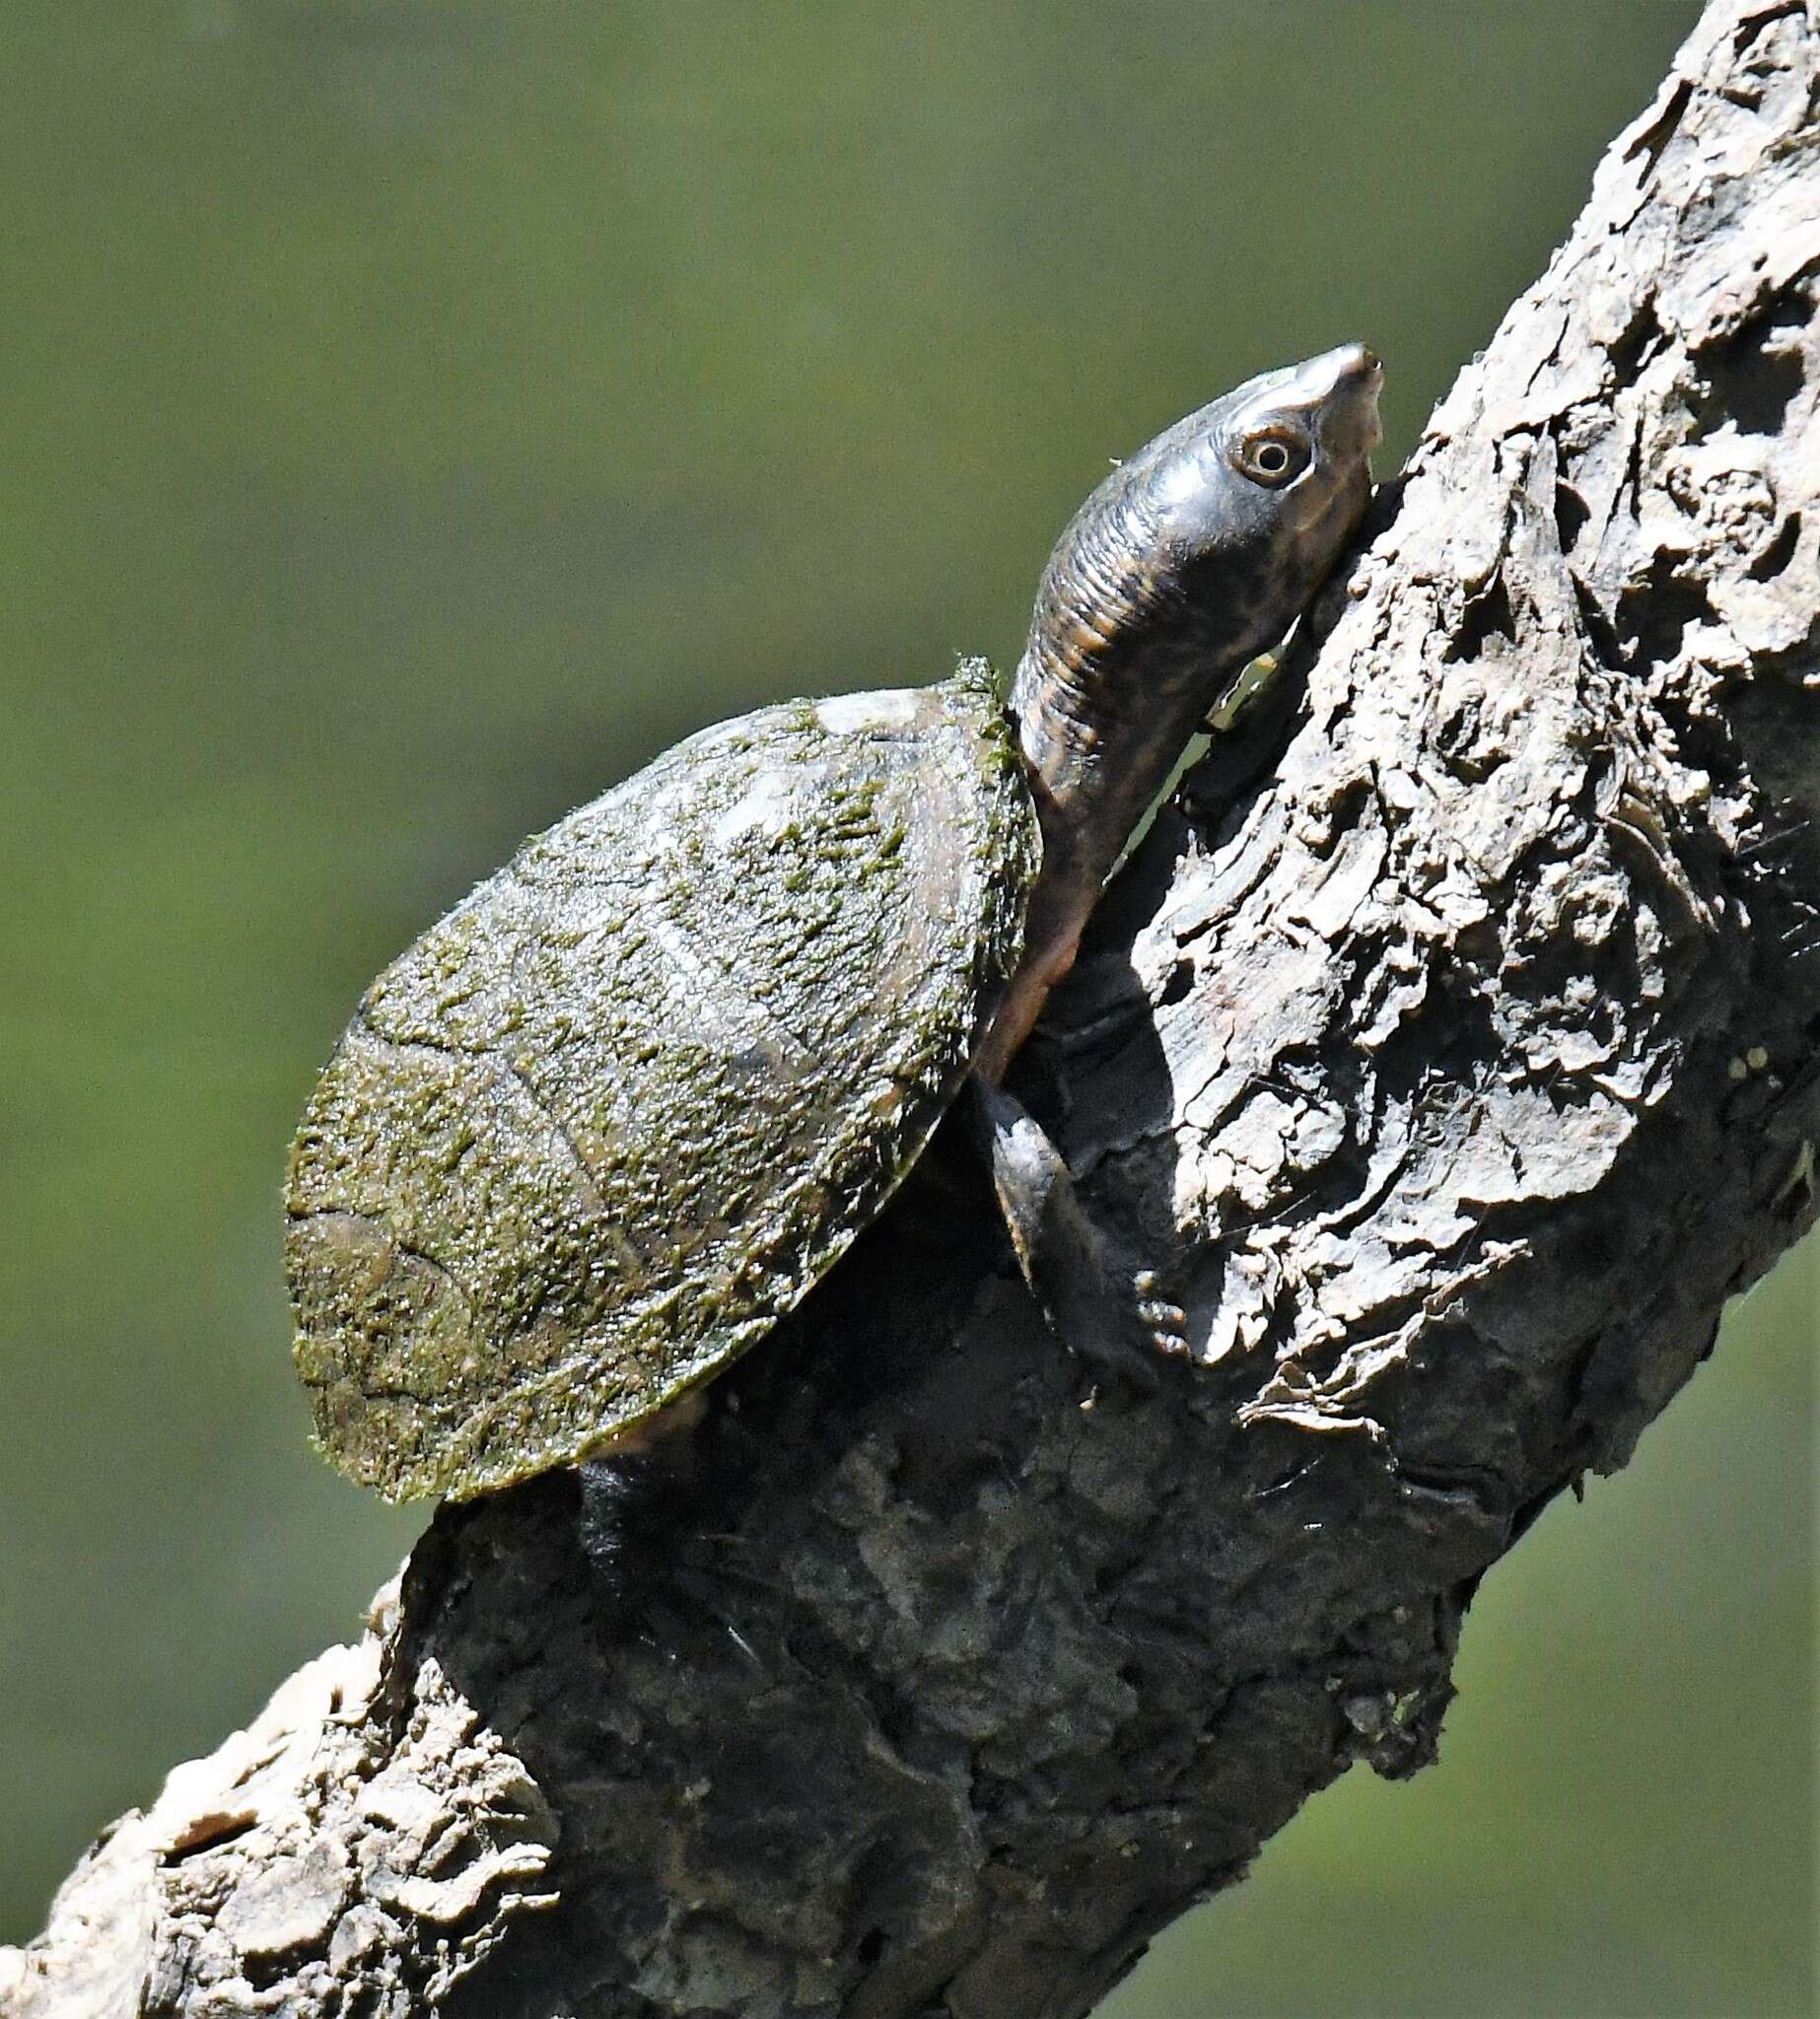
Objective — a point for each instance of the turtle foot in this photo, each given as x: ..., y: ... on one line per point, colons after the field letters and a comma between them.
x: 1167, y: 1322
x: 1102, y: 1307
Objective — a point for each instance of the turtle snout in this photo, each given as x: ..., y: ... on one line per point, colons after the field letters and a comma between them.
x: 1349, y: 421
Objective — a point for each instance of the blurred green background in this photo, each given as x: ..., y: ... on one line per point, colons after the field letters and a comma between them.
x: 416, y: 412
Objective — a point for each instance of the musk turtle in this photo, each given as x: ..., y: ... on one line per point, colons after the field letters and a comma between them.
x: 609, y: 1118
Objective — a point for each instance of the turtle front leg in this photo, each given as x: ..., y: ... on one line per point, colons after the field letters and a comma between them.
x: 1060, y: 906
x: 1100, y: 1305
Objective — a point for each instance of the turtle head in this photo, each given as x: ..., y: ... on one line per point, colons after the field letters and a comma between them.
x: 1199, y: 552
x: 1190, y: 559
x: 1235, y: 515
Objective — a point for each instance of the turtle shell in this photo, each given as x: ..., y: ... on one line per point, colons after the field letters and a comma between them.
x: 617, y: 1111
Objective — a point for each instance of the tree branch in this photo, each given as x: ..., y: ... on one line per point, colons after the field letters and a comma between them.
x: 1452, y: 1049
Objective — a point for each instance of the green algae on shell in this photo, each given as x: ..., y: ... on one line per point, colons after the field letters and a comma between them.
x: 616, y: 1112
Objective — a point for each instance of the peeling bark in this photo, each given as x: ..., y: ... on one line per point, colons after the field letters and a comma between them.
x: 1454, y: 1048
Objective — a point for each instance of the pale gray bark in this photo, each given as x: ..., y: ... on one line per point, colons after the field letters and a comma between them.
x: 1452, y: 1051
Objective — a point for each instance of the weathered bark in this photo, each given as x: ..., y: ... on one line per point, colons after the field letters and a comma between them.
x: 1453, y: 1049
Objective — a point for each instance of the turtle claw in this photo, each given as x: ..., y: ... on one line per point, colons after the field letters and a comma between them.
x: 1167, y: 1322
x: 1110, y: 1315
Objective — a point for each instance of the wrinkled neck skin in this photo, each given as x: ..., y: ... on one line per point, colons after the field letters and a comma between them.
x: 1123, y: 665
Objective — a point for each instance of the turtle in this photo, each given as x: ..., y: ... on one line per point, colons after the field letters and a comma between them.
x: 589, y: 1138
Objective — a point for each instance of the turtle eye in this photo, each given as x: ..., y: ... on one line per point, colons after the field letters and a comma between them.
x: 1273, y: 457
